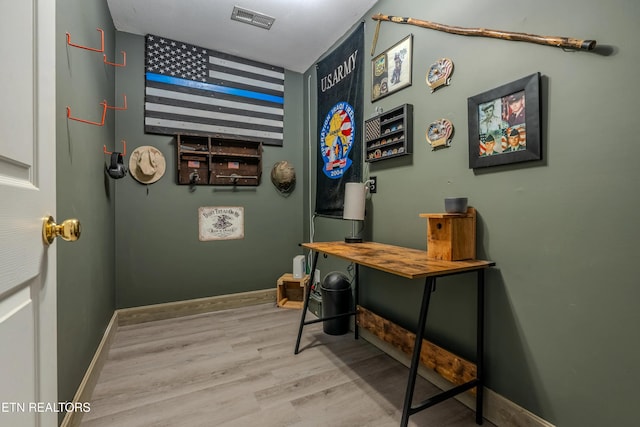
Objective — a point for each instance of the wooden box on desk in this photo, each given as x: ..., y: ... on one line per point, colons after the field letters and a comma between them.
x: 451, y: 237
x: 290, y: 291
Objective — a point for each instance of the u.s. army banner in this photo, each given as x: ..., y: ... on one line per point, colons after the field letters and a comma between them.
x: 340, y: 98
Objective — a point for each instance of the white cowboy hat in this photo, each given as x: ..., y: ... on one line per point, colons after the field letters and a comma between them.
x: 147, y: 164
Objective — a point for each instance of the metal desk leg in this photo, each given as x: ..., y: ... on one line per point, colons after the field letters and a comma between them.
x: 480, y: 347
x: 356, y: 300
x: 307, y: 292
x: 417, y: 347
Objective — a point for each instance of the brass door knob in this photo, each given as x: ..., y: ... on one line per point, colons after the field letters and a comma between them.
x: 69, y: 230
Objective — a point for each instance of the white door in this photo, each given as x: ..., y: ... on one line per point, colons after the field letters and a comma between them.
x: 28, y: 362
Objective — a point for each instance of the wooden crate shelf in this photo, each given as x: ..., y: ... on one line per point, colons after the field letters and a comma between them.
x: 290, y: 291
x: 210, y: 160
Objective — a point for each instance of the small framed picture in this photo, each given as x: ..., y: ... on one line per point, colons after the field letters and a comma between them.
x: 504, y: 124
x: 391, y: 70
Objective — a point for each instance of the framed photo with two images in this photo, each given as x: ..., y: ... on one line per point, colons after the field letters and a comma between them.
x: 391, y: 70
x: 504, y: 124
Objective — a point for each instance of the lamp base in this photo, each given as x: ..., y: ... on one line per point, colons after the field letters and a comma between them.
x: 353, y: 239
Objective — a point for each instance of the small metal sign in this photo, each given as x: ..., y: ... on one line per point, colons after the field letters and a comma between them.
x: 220, y: 223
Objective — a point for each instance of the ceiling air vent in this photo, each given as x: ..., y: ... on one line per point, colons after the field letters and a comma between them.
x: 252, y: 18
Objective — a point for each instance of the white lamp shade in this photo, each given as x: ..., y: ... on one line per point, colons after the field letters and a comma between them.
x: 354, y: 197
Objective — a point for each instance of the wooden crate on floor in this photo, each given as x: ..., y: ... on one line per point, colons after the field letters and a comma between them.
x: 290, y: 291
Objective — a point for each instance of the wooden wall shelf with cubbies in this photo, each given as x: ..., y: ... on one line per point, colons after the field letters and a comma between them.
x: 210, y: 160
x: 389, y: 134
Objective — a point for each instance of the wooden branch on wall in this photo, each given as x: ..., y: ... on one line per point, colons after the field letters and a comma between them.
x: 562, y: 42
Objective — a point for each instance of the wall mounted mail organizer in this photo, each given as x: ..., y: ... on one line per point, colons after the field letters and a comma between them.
x: 210, y: 160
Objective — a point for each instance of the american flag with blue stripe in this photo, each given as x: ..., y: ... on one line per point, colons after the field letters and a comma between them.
x: 197, y: 91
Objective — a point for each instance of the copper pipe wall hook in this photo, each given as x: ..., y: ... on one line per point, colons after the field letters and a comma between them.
x: 124, y: 149
x: 124, y: 60
x: 101, y: 49
x: 124, y: 107
x: 101, y: 123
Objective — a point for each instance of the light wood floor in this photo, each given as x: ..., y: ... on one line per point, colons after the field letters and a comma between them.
x: 237, y: 368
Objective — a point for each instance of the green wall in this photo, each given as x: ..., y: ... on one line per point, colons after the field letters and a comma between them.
x: 145, y: 240
x: 562, y: 302
x: 158, y: 255
x: 86, y: 276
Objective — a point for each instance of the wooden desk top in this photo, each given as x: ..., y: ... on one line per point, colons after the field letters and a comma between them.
x: 404, y: 262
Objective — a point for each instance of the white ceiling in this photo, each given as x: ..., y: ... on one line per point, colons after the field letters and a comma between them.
x: 302, y: 32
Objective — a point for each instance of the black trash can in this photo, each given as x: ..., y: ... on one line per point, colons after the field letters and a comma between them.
x: 336, y: 299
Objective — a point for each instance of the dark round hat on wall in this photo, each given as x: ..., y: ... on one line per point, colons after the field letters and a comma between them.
x: 283, y: 177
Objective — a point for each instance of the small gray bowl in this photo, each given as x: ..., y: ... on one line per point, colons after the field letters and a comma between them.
x: 455, y: 205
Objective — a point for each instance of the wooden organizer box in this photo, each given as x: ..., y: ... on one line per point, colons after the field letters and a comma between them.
x: 451, y: 237
x: 209, y: 160
x: 290, y: 291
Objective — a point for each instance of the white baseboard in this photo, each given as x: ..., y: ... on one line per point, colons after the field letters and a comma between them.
x: 497, y: 409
